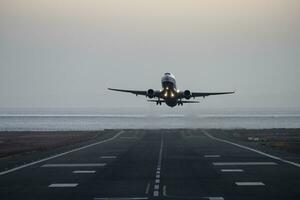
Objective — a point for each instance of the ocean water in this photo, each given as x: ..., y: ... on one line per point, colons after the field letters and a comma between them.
x: 139, y: 121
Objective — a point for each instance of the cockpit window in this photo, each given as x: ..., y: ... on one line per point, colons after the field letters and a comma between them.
x: 168, y: 73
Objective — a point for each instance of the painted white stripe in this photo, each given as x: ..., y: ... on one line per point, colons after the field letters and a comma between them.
x: 232, y: 170
x: 212, y: 156
x: 147, y: 188
x: 155, y: 193
x: 84, y: 172
x: 59, y: 185
x: 59, y: 155
x: 182, y: 197
x: 108, y: 157
x: 158, y: 172
x: 249, y: 183
x: 156, y: 187
x: 157, y: 181
x: 214, y: 198
x: 157, y: 176
x: 243, y: 163
x: 76, y: 165
x: 254, y: 150
x: 121, y: 198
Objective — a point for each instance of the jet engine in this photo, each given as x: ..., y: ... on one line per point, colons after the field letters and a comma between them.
x: 187, y: 94
x: 150, y: 93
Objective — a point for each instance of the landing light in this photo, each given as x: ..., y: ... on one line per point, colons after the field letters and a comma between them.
x: 166, y: 94
x: 172, y: 94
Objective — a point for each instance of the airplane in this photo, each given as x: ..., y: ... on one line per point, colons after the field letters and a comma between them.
x: 169, y: 93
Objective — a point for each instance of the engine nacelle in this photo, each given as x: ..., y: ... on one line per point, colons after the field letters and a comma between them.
x: 187, y: 94
x: 150, y: 93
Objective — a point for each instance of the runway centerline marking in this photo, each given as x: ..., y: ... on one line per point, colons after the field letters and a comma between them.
x: 61, y: 154
x: 249, y: 184
x: 250, y: 149
x: 232, y: 170
x: 62, y: 185
x: 242, y: 163
x: 84, y: 172
x: 157, y: 180
x: 76, y: 165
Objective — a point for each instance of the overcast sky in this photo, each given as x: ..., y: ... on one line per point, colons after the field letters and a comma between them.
x: 65, y: 53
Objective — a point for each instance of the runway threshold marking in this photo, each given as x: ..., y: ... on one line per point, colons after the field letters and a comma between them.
x: 76, y: 165
x: 250, y: 149
x: 249, y: 184
x: 63, y: 185
x: 242, y: 163
x: 61, y: 154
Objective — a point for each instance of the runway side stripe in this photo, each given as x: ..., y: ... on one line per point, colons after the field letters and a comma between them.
x: 59, y: 155
x: 232, y: 170
x: 249, y: 184
x: 212, y: 156
x: 61, y: 185
x: 76, y: 165
x: 250, y: 149
x: 242, y: 163
x: 84, y: 172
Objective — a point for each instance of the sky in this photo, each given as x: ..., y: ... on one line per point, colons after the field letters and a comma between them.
x: 64, y: 54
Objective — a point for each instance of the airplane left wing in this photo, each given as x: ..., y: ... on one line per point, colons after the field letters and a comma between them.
x: 136, y: 92
x: 205, y: 94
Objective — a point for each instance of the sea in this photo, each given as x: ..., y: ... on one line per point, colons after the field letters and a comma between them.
x: 87, y: 121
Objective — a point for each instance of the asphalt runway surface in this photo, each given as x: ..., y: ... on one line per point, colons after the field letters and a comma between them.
x: 155, y: 164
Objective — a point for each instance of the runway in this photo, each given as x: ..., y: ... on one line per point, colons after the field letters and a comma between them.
x: 155, y: 164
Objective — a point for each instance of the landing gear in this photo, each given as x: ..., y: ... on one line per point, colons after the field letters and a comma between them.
x: 158, y: 102
x: 180, y: 103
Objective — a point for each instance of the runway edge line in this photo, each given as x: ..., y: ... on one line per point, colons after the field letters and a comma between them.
x: 250, y: 149
x: 61, y: 154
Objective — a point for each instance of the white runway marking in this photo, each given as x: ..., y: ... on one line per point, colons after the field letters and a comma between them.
x: 147, y: 188
x: 157, y: 180
x: 108, y: 157
x: 61, y: 185
x: 76, y: 165
x: 121, y: 198
x: 84, y: 172
x: 59, y: 155
x: 212, y: 156
x: 249, y: 184
x: 242, y: 163
x: 250, y: 149
x: 188, y: 197
x: 232, y: 170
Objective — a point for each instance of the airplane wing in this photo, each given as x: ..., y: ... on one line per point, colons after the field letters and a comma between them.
x: 205, y: 94
x: 136, y: 92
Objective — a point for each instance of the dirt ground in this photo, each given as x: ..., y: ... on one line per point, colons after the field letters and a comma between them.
x: 12, y: 143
